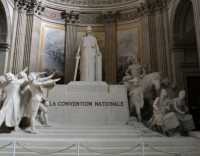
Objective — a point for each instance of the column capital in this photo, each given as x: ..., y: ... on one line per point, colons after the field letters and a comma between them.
x: 70, y: 17
x: 152, y: 6
x: 30, y: 6
x: 4, y: 45
x: 111, y: 17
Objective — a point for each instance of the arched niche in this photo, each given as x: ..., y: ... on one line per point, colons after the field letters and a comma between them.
x: 183, y: 41
x: 185, y: 54
x: 3, y: 25
x: 5, y: 34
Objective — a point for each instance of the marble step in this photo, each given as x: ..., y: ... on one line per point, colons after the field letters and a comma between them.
x: 100, y: 139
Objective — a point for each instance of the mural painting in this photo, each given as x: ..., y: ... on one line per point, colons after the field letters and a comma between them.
x: 128, y: 46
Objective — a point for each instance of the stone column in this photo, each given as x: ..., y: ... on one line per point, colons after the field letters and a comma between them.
x: 13, y: 39
x: 155, y: 23
x: 167, y: 43
x: 28, y: 37
x: 196, y: 8
x: 19, y: 42
x: 152, y: 43
x: 161, y: 44
x: 71, y: 46
x: 4, y: 49
x: 110, y: 55
x: 146, y: 56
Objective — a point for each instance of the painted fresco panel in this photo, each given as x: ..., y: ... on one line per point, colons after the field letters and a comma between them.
x: 128, y: 46
x: 51, y: 57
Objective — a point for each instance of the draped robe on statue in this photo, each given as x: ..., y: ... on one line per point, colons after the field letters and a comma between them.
x: 90, y: 59
x: 10, y: 112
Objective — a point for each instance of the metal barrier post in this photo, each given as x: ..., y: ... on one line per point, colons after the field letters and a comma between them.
x: 78, y: 149
x: 143, y: 146
x: 14, y: 148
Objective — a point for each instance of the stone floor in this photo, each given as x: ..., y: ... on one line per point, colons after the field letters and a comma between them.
x: 128, y: 140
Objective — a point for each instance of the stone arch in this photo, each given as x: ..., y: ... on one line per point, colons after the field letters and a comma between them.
x: 183, y: 40
x: 5, y: 34
x: 4, y: 9
x: 183, y: 24
x: 3, y: 25
x: 185, y: 53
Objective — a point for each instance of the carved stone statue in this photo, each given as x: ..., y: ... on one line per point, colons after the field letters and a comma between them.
x: 162, y: 119
x: 135, y: 69
x: 10, y: 111
x: 181, y: 110
x: 90, y: 59
x: 136, y: 97
x: 37, y: 96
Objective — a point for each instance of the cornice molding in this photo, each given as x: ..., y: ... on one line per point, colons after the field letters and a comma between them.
x: 137, y: 10
x: 101, y: 7
x: 92, y: 3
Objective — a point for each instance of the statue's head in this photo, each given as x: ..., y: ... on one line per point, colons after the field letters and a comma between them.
x: 22, y: 75
x: 9, y: 76
x: 89, y: 29
x: 163, y: 93
x: 182, y: 94
x: 32, y: 76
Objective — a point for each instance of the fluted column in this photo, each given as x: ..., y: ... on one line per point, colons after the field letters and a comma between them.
x: 152, y: 43
x: 196, y: 8
x: 110, y: 55
x: 4, y: 49
x: 145, y: 36
x: 71, y: 45
x: 28, y: 38
x: 161, y: 45
x: 14, y: 30
x: 23, y: 15
x: 167, y: 43
x: 19, y: 43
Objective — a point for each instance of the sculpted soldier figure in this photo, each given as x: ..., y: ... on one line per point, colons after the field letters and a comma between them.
x: 37, y: 96
x: 10, y: 112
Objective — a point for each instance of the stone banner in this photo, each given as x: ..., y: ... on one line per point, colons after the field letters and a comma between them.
x: 88, y: 103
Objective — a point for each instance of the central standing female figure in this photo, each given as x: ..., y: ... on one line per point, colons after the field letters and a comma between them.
x: 90, y: 58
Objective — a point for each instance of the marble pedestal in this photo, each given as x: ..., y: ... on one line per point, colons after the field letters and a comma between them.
x: 88, y: 103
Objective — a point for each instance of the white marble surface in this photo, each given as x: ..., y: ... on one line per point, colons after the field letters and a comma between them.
x: 94, y: 103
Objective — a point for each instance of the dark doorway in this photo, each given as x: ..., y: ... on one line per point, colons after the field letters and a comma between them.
x: 193, y: 84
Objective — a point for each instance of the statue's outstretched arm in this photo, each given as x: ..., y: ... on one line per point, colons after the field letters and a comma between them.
x: 155, y: 103
x: 26, y: 88
x: 46, y: 83
x: 46, y: 78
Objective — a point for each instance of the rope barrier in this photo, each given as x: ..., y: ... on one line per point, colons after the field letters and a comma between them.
x: 160, y: 151
x: 4, y: 146
x: 46, y: 153
x: 151, y: 147
x: 142, y: 145
x: 109, y: 153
